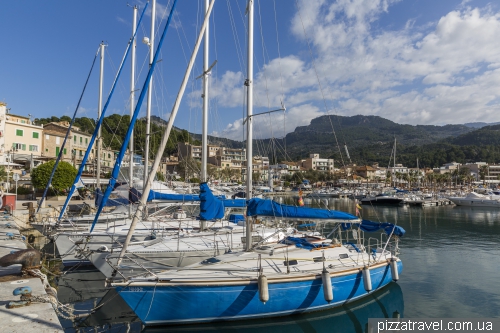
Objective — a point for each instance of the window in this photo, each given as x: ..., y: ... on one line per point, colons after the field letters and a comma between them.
x: 46, y: 149
x: 17, y: 146
x: 81, y: 139
x: 35, y: 135
x: 74, y: 138
x: 33, y: 148
x: 86, y: 140
x: 81, y: 153
x: 64, y: 151
x: 58, y: 140
x: 109, y: 155
x: 23, y: 121
x: 19, y: 132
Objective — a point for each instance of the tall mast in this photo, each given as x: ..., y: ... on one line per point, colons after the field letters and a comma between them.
x: 249, y: 84
x: 132, y: 104
x: 204, y: 135
x: 167, y: 131
x: 394, y: 159
x: 99, y: 108
x: 150, y: 91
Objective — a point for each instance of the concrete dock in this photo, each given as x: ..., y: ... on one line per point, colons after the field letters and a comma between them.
x: 37, y: 317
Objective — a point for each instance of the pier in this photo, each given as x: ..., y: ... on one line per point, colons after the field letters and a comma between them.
x: 36, y: 317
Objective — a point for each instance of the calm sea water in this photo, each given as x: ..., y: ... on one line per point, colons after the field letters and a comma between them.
x: 451, y: 269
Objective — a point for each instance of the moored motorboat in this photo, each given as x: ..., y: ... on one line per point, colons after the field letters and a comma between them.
x: 474, y: 199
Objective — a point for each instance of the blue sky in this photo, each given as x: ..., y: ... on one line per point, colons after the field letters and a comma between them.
x: 413, y: 62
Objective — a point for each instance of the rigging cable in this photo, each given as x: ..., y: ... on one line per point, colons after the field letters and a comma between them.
x: 67, y: 133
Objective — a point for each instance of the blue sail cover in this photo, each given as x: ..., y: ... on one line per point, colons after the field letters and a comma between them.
x: 370, y: 226
x: 172, y: 196
x: 260, y: 207
x: 234, y: 203
x: 210, y: 207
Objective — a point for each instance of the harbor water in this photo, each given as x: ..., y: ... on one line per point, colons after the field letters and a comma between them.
x: 450, y: 256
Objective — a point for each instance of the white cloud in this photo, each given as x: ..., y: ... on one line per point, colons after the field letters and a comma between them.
x: 273, y: 125
x: 428, y: 73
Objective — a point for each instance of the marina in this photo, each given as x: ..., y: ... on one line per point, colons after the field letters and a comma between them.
x: 37, y: 317
x: 429, y: 230
x: 129, y: 223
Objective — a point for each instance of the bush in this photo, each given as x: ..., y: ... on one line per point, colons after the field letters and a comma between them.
x: 160, y: 177
x: 63, y: 177
x: 21, y: 190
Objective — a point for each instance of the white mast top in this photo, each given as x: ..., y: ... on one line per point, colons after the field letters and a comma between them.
x: 163, y: 143
x: 99, y: 110
x: 132, y: 103
x: 151, y: 45
x: 204, y: 134
x: 249, y: 84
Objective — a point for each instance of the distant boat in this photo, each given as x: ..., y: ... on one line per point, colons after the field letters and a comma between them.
x: 382, y: 200
x: 474, y: 199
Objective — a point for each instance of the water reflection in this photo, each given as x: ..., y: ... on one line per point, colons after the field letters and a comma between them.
x: 450, y: 257
x: 84, y: 289
x: 352, y: 317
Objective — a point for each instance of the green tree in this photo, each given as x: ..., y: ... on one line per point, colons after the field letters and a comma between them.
x: 3, y: 173
x: 160, y: 177
x: 483, y: 171
x: 63, y: 177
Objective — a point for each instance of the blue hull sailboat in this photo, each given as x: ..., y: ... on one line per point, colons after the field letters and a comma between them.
x: 293, y: 276
x: 191, y: 302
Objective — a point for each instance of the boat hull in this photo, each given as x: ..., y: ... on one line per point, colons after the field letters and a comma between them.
x: 383, y: 202
x: 475, y: 202
x: 177, y: 304
x: 74, y: 249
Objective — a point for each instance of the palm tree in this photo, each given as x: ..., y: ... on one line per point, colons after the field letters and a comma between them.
x: 406, y: 178
x: 430, y: 177
x: 388, y: 177
x: 483, y: 171
x: 455, y: 174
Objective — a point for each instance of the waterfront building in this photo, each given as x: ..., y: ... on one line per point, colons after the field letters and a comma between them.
x: 314, y: 162
x: 76, y: 145
x: 21, y: 139
x: 448, y: 167
x: 366, y: 171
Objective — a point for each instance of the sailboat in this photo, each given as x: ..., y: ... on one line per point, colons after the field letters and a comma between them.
x: 294, y: 275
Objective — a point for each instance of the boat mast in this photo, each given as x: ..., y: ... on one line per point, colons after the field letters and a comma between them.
x: 394, y: 167
x: 150, y: 92
x: 249, y: 84
x: 166, y: 134
x: 132, y: 105
x: 99, y: 108
x: 204, y: 130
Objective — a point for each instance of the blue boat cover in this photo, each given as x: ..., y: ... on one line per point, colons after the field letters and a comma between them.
x: 172, y: 196
x: 210, y: 206
x: 370, y: 226
x: 233, y: 203
x: 235, y: 218
x: 261, y: 207
x: 302, y: 243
